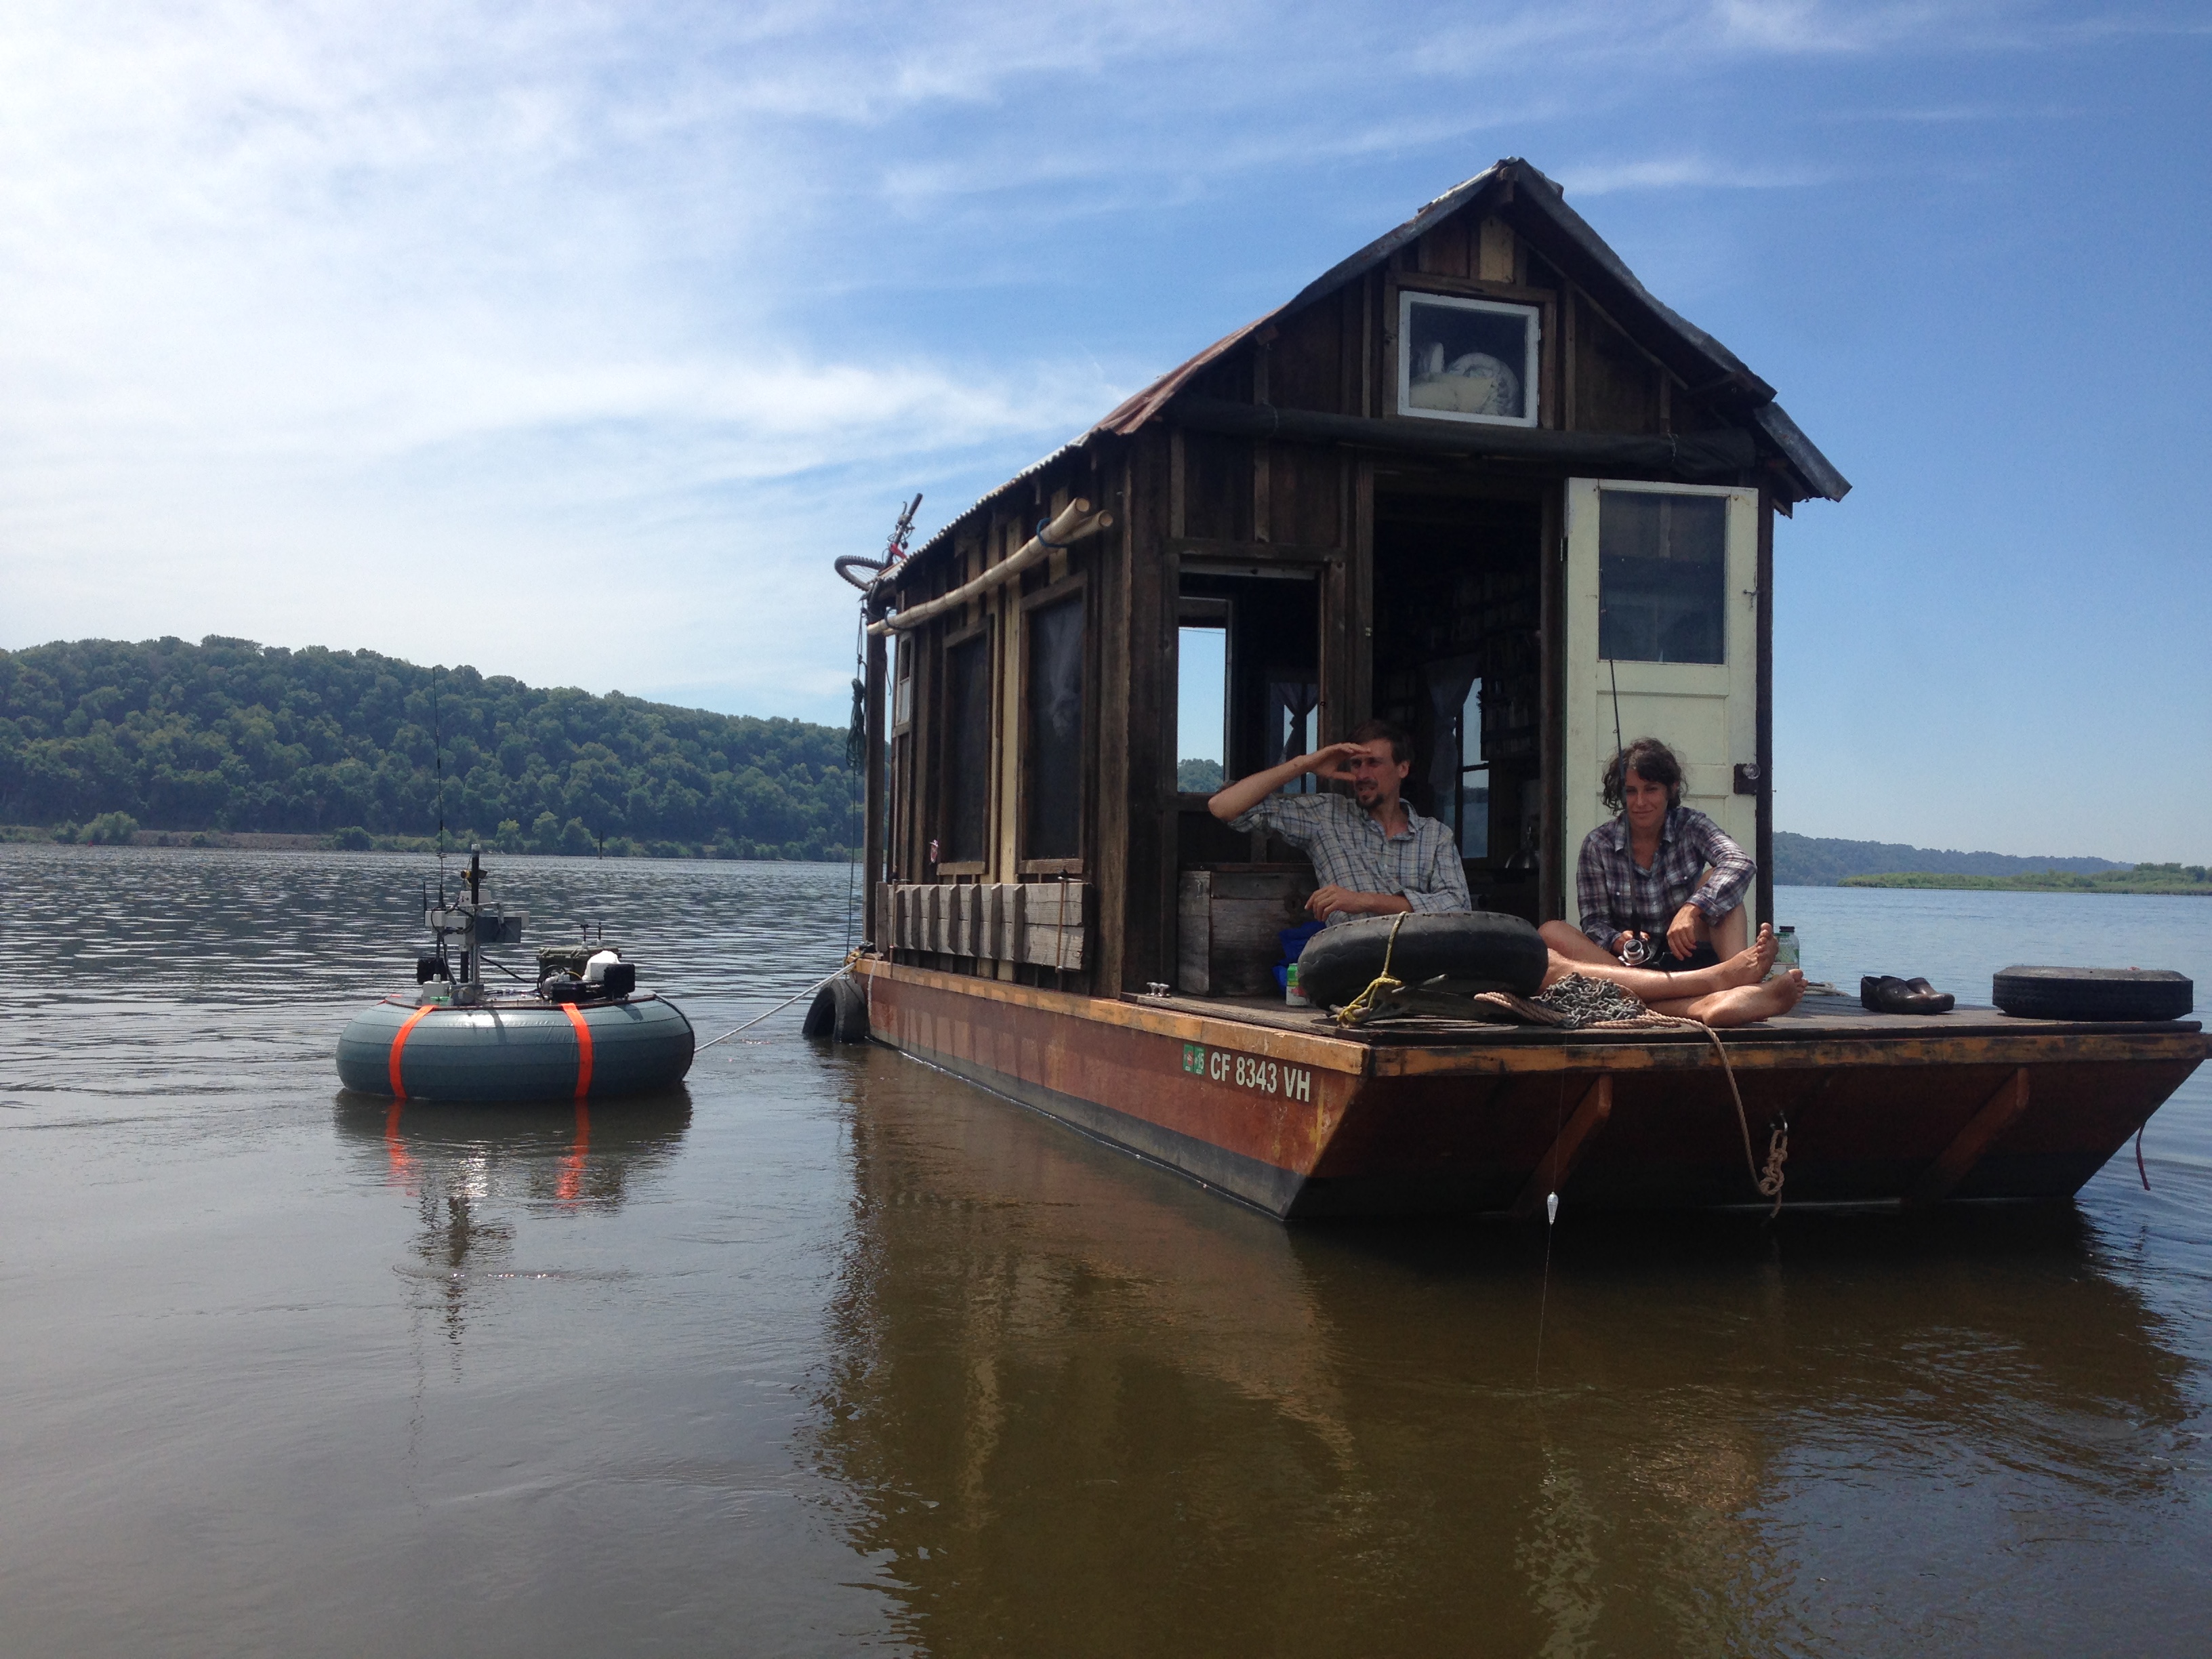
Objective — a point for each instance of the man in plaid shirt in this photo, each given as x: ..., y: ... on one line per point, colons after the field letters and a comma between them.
x: 1373, y: 854
x: 1660, y: 872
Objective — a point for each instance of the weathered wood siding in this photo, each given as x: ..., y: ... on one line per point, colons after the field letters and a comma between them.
x: 1178, y: 492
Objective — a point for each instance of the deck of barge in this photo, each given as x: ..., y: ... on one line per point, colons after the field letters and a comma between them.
x: 1816, y: 1019
x: 1285, y: 1109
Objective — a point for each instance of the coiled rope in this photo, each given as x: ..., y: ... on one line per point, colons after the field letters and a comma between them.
x: 1769, y: 1181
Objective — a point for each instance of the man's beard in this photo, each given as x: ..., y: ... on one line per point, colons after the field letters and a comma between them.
x: 1366, y: 793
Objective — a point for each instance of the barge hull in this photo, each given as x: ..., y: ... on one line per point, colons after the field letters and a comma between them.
x: 1304, y: 1122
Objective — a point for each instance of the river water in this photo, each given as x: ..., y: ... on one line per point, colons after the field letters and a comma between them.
x: 831, y: 1353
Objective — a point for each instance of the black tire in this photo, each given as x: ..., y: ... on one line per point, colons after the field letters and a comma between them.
x: 1496, y: 952
x: 821, y: 1019
x: 2093, y: 993
x: 851, y: 1024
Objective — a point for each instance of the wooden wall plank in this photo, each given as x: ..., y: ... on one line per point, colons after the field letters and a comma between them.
x: 1360, y: 604
x: 1763, y: 742
x: 1495, y: 247
x: 1111, y: 598
x: 1148, y: 916
x: 1618, y: 386
x: 1553, y: 858
x: 1443, y: 251
x: 873, y: 781
x: 1307, y: 482
x: 1308, y: 355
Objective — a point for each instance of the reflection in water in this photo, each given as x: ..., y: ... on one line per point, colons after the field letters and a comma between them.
x: 286, y: 1378
x: 1333, y: 1440
x: 459, y: 1163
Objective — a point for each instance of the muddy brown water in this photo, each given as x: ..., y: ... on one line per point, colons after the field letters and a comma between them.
x: 828, y: 1352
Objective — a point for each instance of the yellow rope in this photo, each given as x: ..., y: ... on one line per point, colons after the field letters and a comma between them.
x: 1364, y: 1008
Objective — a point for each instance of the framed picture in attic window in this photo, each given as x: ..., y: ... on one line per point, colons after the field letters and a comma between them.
x: 1467, y: 360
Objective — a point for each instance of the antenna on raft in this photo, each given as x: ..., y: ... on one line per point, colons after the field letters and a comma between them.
x: 438, y: 762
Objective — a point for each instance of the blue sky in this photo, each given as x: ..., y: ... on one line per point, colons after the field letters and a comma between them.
x: 573, y: 341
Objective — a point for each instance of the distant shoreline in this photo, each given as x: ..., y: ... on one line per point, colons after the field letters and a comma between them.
x: 2138, y: 880
x: 265, y: 840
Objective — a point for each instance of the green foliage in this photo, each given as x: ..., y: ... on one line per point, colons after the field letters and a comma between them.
x: 230, y: 735
x: 109, y: 829
x: 1198, y: 777
x: 1825, y: 861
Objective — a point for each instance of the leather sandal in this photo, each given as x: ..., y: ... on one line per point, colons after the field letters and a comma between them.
x: 1886, y: 994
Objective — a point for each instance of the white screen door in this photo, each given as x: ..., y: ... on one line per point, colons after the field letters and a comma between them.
x: 1661, y: 602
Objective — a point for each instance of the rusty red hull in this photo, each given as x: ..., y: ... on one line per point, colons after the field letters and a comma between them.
x: 1303, y: 1123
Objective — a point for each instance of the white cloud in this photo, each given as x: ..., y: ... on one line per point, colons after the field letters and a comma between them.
x: 642, y: 311
x: 1683, y: 172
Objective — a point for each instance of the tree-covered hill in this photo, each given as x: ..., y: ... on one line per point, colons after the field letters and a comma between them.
x: 231, y: 735
x: 1824, y: 861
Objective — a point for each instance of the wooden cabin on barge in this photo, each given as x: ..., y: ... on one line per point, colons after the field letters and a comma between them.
x: 1474, y: 479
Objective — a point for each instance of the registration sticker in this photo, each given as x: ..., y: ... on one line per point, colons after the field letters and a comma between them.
x: 1253, y: 1071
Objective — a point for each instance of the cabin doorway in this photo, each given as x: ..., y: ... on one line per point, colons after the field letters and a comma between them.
x: 1663, y: 641
x: 1247, y: 688
x: 1458, y: 655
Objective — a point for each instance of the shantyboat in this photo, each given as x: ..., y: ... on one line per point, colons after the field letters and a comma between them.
x: 1474, y: 479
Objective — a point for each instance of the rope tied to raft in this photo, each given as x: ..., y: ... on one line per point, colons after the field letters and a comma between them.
x: 1769, y: 1181
x: 1364, y: 1007
x: 1578, y: 998
x: 850, y: 957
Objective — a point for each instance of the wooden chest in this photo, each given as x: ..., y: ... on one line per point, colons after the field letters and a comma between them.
x: 1227, y: 916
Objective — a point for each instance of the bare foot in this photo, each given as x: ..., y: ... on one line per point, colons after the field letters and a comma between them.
x: 1742, y: 1005
x: 1752, y: 965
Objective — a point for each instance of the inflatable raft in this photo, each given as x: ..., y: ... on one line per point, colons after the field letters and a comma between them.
x: 587, y: 1033
x: 521, y: 1049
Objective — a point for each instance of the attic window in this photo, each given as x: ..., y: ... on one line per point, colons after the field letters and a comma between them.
x: 1467, y: 360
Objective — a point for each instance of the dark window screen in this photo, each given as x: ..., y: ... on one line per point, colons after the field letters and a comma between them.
x: 1054, y: 829
x: 1662, y: 576
x: 967, y: 751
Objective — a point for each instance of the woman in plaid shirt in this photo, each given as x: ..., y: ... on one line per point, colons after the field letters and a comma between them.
x: 1660, y: 872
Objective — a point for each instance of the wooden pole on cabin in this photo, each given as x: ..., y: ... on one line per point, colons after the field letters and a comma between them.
x: 1763, y: 743
x: 871, y: 835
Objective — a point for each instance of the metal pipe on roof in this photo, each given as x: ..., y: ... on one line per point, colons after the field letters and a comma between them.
x: 1073, y: 522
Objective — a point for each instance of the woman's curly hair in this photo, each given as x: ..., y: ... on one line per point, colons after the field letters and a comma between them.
x: 1650, y: 760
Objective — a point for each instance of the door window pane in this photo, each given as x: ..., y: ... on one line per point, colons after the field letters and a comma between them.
x: 1662, y: 576
x: 967, y: 751
x: 1201, y: 706
x: 1053, y: 745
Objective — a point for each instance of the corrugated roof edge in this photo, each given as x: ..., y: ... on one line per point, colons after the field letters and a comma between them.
x: 1797, y: 449
x: 1551, y: 200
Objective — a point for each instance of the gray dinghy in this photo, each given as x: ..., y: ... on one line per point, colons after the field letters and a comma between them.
x: 587, y: 1033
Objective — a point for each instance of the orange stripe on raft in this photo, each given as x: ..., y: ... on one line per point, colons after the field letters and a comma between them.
x: 399, y: 1041
x: 583, y: 1049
